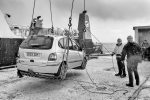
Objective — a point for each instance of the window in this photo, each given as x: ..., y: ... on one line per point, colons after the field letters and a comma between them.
x: 37, y: 42
x: 63, y: 43
x: 70, y: 45
x: 75, y: 47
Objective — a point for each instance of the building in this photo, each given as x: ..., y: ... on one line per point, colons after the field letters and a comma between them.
x: 142, y: 33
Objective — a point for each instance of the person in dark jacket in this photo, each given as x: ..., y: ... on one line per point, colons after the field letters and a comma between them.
x: 133, y: 52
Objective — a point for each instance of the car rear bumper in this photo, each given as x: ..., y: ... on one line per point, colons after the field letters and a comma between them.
x: 38, y: 75
x: 47, y: 68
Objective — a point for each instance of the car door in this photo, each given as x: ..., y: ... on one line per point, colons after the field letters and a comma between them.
x: 78, y: 55
x: 71, y: 56
x: 74, y: 56
x: 63, y: 43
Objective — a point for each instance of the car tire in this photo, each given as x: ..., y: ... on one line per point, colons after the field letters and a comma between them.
x: 148, y: 58
x: 84, y: 63
x: 19, y: 74
x: 62, y: 72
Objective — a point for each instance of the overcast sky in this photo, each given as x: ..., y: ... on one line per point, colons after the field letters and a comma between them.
x: 109, y: 19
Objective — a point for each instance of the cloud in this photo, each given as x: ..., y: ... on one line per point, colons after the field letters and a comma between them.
x: 17, y: 9
x: 10, y: 5
x: 110, y: 9
x: 102, y: 9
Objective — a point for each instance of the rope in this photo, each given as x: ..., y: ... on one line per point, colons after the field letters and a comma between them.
x: 95, y: 92
x: 91, y: 78
x: 140, y: 88
x: 107, y: 51
x: 95, y: 84
x: 50, y: 3
x: 101, y: 43
x: 113, y: 65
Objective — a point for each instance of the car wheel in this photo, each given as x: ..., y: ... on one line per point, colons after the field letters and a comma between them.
x: 19, y: 74
x: 62, y: 71
x: 148, y: 58
x: 84, y: 63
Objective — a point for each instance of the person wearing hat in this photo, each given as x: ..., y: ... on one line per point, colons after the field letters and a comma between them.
x: 133, y: 52
x: 117, y: 51
x: 144, y: 47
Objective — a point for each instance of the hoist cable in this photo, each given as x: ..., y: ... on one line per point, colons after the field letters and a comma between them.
x: 50, y: 3
x: 66, y: 50
x: 70, y: 18
x: 33, y: 9
x: 84, y: 5
x: 30, y: 28
x: 70, y: 26
x: 72, y: 8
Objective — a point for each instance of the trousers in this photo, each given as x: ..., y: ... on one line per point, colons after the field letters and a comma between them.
x: 132, y: 65
x: 121, y: 67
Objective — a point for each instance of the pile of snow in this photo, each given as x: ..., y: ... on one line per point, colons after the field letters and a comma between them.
x: 5, y: 31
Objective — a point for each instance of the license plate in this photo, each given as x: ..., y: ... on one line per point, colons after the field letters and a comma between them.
x: 33, y: 54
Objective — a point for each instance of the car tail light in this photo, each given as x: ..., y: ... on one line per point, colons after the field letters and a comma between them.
x: 52, y: 57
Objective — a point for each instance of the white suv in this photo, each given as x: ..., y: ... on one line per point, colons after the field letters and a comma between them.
x: 46, y: 56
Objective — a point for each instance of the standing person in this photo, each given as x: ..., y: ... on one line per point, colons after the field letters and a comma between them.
x: 144, y: 45
x: 117, y: 52
x: 133, y: 52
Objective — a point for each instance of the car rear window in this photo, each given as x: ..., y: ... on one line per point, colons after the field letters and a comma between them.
x: 37, y: 42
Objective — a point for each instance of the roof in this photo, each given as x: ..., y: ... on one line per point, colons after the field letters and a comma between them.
x: 141, y: 27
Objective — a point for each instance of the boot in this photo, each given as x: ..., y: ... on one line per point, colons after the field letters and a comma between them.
x: 19, y: 74
x: 129, y: 85
x: 137, y: 83
x: 123, y: 76
x: 117, y: 74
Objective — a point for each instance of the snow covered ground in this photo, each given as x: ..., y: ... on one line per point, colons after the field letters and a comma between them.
x: 77, y: 86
